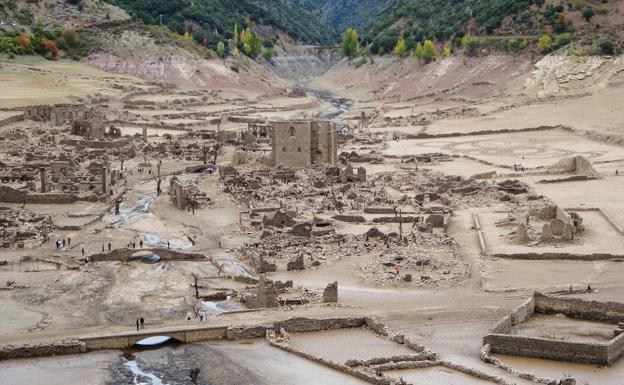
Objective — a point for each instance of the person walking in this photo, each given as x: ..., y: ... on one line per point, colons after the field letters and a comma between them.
x: 133, y: 245
x: 168, y: 245
x: 141, y: 243
x: 82, y: 251
x: 109, y: 247
x: 68, y: 242
x: 137, y: 324
x: 142, y: 320
x: 397, y: 271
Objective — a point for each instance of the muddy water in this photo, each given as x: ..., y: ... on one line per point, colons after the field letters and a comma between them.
x: 584, y: 374
x: 341, y: 345
x: 560, y: 327
x: 438, y: 375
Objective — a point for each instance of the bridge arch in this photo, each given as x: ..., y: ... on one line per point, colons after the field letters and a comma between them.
x: 153, y: 341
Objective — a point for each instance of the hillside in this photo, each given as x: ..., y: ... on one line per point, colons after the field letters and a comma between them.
x: 340, y: 15
x: 213, y: 20
x: 444, y: 19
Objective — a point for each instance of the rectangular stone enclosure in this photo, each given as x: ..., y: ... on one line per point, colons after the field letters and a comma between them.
x: 502, y: 341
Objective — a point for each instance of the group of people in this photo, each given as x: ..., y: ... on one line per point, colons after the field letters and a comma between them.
x: 518, y: 167
x: 142, y: 170
x: 133, y: 244
x: 60, y: 244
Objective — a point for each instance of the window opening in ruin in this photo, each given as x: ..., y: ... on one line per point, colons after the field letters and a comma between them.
x: 291, y: 131
x: 284, y: 149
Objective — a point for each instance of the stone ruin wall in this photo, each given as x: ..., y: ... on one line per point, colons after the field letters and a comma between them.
x: 501, y: 341
x: 11, y: 195
x: 578, y: 308
x: 8, y: 352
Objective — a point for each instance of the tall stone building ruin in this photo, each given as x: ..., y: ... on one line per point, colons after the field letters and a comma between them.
x: 297, y: 144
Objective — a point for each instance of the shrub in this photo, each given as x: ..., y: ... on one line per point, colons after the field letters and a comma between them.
x: 607, y: 48
x: 268, y: 53
x: 545, y: 44
x: 564, y: 39
x: 235, y: 68
x: 471, y: 45
x: 359, y: 62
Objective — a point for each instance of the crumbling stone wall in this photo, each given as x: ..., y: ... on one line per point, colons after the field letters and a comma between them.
x: 42, y: 350
x: 330, y: 294
x: 303, y: 324
x: 265, y: 295
x: 578, y: 308
x: 11, y: 195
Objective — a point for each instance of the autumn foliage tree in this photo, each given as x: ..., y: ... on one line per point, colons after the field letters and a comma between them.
x: 50, y: 47
x: 400, y: 48
x: 25, y: 43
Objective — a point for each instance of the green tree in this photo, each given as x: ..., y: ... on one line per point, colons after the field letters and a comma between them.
x: 252, y: 43
x: 545, y: 44
x: 587, y: 12
x: 446, y: 51
x: 234, y: 41
x: 400, y: 48
x: 220, y: 49
x: 350, y: 43
x: 188, y: 37
x: 418, y: 51
x: 430, y: 51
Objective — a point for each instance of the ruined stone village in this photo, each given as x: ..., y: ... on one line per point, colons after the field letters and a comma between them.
x: 455, y: 223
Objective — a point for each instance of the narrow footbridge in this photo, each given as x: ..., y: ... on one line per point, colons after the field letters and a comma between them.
x: 127, y: 340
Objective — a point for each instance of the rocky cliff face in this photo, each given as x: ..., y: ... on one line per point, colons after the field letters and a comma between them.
x: 569, y: 75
